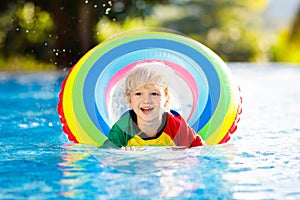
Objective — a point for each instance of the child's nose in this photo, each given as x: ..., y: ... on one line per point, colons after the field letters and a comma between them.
x: 147, y: 98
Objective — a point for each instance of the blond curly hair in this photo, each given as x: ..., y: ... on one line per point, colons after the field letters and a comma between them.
x: 146, y: 73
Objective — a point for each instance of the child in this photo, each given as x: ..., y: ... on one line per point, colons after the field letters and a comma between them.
x: 149, y: 121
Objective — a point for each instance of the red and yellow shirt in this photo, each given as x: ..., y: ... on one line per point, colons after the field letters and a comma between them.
x: 174, y: 131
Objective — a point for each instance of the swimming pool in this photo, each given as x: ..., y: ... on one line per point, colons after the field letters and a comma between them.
x: 261, y: 162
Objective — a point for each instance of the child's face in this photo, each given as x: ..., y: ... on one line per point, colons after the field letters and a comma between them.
x: 148, y: 102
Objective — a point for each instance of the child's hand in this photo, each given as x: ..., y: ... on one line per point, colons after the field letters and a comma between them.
x: 128, y: 148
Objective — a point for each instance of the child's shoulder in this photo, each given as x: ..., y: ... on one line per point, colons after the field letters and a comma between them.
x: 174, y: 117
x: 123, y: 120
x: 174, y: 114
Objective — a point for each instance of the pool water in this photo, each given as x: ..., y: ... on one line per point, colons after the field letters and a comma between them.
x: 262, y: 161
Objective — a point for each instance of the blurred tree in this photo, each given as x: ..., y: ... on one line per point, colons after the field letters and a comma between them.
x: 126, y: 15
x: 287, y: 48
x: 24, y: 30
x: 295, y: 32
x: 56, y: 31
x: 228, y: 27
x: 73, y: 33
x: 59, y: 31
x: 62, y: 31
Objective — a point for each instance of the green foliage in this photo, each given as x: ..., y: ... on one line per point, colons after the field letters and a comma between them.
x: 287, y: 48
x: 230, y: 28
x: 24, y: 63
x: 26, y: 30
x: 35, y: 23
x: 106, y: 28
x: 61, y: 32
x: 125, y: 16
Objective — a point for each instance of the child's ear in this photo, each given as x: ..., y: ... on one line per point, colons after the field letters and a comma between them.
x: 129, y: 104
x: 167, y: 103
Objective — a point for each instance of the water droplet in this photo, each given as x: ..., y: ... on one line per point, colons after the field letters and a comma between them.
x: 107, y: 11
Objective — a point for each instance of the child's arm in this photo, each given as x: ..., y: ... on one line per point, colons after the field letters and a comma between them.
x: 197, y: 141
x: 195, y: 138
x: 116, y: 138
x: 185, y: 135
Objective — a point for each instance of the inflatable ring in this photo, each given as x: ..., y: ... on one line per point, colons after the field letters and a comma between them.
x: 211, y: 102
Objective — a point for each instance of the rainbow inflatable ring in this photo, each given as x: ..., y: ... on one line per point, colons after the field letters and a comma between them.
x: 211, y: 99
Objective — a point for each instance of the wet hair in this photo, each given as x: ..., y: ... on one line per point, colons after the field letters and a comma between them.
x: 146, y: 73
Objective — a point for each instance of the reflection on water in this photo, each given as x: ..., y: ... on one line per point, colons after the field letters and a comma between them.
x: 154, y: 173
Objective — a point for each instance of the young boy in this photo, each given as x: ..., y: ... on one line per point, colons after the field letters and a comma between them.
x: 149, y: 121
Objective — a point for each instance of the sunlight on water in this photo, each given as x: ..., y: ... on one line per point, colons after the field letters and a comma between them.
x: 261, y: 161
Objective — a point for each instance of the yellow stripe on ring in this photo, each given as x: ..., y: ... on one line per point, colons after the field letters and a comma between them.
x: 217, y: 136
x: 72, y: 122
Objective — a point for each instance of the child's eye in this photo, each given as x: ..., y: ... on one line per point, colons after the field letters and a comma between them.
x: 155, y: 93
x: 138, y: 94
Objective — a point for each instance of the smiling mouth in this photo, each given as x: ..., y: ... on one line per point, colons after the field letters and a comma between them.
x: 146, y: 110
